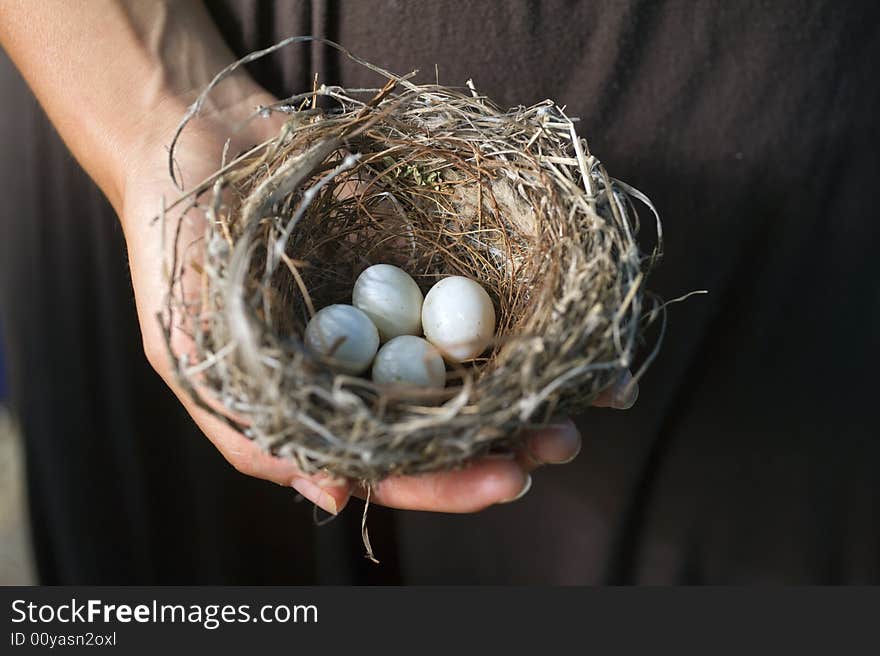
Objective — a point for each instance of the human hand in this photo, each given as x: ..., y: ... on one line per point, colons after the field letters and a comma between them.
x: 490, y: 480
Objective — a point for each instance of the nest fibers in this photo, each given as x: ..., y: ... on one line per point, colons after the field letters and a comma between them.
x: 438, y: 181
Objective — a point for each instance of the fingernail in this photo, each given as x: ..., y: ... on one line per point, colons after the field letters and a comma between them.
x: 556, y: 444
x: 626, y: 392
x: 526, y: 487
x: 570, y: 439
x: 315, y: 494
x: 576, y: 453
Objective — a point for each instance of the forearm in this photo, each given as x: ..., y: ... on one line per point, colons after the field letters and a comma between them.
x: 111, y: 73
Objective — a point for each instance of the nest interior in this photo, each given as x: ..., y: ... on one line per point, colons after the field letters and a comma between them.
x: 439, y: 181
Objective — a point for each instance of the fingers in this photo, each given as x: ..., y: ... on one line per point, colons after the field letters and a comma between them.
x: 479, y: 485
x: 329, y: 494
x: 557, y: 444
x: 486, y: 482
x: 482, y: 484
x: 245, y: 456
x: 622, y: 395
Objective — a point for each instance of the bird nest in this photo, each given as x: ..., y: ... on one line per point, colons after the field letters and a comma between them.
x: 438, y: 181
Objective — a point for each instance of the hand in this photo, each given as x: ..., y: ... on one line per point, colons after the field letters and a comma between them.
x: 488, y: 481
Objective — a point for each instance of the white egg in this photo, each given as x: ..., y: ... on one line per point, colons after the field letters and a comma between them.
x: 343, y: 335
x: 391, y: 298
x: 458, y: 318
x: 409, y: 360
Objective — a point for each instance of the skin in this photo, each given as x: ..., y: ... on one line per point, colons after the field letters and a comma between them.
x: 115, y: 78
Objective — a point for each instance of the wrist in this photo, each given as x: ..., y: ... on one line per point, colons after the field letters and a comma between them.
x: 183, y: 52
x: 116, y: 76
x: 152, y: 127
x: 142, y: 165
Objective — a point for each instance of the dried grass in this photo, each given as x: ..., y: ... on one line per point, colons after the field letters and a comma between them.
x: 439, y: 181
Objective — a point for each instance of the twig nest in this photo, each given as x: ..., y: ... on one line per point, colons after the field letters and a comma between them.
x: 438, y: 182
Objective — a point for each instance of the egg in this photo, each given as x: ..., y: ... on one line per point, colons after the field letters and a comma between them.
x: 458, y: 318
x: 391, y: 298
x: 409, y: 360
x: 345, y: 336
